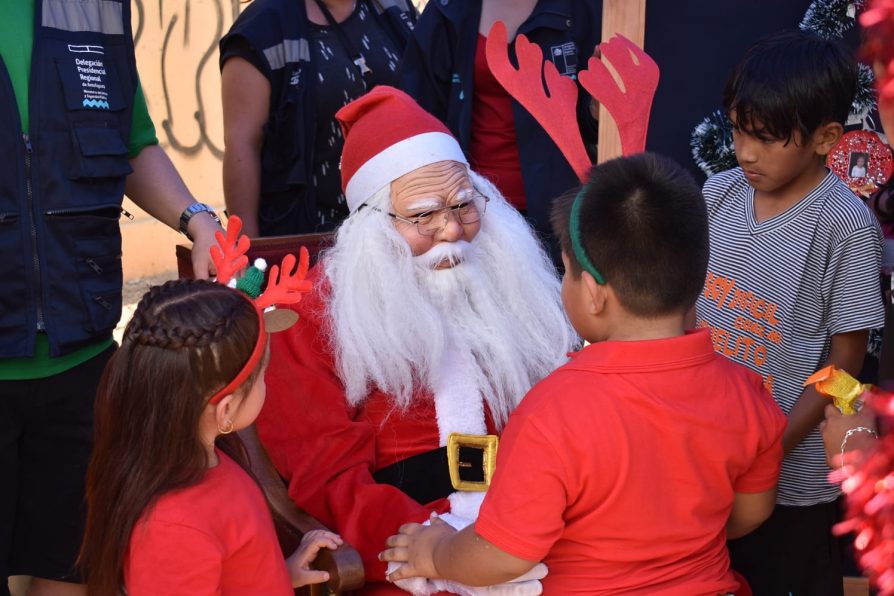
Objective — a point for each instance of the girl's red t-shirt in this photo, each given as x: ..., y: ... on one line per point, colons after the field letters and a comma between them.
x: 215, y: 537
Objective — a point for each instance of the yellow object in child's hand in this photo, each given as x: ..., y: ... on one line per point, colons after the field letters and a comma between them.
x: 843, y: 389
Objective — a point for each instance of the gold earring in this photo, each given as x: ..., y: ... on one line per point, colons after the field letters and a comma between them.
x: 228, y: 428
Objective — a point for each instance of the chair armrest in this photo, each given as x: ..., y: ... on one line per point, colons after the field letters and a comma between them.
x: 344, y: 564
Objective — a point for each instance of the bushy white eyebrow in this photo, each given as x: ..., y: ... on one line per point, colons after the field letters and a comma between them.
x: 428, y: 203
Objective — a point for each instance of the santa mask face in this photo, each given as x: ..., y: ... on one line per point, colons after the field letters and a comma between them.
x: 439, y: 242
x: 395, y: 319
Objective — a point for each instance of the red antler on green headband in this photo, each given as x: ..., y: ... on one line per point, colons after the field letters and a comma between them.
x: 286, y: 283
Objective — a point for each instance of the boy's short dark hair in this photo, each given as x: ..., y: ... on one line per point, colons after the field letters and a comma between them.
x: 644, y: 225
x: 790, y: 82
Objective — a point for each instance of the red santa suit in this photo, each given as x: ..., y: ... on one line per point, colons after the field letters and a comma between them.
x: 328, y: 450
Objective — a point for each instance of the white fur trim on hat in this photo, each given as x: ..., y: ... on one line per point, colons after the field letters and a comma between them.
x: 399, y: 159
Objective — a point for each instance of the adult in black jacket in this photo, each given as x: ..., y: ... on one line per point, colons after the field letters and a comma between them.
x: 287, y: 67
x: 439, y: 71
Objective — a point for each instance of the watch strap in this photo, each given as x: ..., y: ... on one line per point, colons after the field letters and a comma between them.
x: 192, y: 210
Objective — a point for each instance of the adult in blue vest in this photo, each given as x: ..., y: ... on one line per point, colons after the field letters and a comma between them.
x: 287, y: 67
x: 74, y: 137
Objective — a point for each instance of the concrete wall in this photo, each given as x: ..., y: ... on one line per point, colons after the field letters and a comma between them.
x: 177, y: 58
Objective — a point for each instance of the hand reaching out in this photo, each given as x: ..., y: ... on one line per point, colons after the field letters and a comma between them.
x: 202, y: 228
x: 299, y: 562
x: 415, y: 546
x: 414, y: 556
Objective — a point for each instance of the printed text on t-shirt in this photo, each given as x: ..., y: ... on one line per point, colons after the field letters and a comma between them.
x: 756, y: 325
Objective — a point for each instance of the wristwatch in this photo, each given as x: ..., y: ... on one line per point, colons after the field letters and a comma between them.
x: 192, y: 210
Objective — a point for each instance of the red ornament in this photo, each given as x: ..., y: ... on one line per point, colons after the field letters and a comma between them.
x: 862, y: 160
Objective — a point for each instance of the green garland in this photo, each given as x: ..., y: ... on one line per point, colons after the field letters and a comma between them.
x: 831, y: 19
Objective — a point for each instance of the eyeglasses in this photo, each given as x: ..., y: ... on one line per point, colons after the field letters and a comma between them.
x: 430, y: 223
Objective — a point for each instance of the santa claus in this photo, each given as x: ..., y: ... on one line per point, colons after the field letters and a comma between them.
x: 434, y: 312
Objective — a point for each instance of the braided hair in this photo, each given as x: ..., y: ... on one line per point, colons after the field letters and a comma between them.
x: 186, y: 340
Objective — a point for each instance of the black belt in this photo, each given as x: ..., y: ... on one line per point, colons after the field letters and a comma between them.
x: 426, y: 477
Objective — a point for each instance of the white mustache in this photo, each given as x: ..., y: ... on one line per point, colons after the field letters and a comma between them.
x: 455, y: 252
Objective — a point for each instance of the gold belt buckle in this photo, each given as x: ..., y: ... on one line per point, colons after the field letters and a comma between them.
x: 472, y: 460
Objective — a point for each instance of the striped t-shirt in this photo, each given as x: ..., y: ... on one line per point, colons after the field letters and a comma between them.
x: 778, y: 290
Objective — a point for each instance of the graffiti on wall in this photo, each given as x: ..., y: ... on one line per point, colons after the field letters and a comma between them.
x: 177, y: 55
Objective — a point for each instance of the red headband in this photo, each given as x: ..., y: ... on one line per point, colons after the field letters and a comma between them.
x: 250, y: 365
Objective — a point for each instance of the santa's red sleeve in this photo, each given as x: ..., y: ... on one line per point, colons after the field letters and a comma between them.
x: 325, y: 454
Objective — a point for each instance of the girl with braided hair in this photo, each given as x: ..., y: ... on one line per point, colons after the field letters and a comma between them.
x: 171, y: 507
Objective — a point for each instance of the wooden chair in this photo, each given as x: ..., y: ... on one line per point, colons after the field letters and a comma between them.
x: 344, y: 565
x: 273, y: 249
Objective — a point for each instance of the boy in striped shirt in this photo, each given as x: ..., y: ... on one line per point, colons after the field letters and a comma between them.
x: 792, y: 283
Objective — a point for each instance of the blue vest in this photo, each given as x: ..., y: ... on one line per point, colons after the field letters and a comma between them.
x: 62, y: 182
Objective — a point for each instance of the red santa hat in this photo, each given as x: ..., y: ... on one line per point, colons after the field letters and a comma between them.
x: 388, y: 135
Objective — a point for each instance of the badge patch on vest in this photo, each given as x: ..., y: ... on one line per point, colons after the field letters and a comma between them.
x: 565, y: 58
x: 86, y: 49
x: 87, y: 81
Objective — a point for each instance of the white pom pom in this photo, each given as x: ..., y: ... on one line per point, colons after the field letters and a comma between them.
x: 261, y: 264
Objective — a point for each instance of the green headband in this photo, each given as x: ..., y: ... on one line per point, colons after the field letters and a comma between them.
x: 574, y: 232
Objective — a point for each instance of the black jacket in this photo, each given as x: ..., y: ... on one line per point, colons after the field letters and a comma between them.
x: 276, y: 33
x: 62, y: 181
x: 438, y: 69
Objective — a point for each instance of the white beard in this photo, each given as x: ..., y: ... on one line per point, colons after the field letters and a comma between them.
x: 490, y: 327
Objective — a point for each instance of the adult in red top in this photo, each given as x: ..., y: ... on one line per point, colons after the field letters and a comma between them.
x: 434, y: 312
x: 636, y: 472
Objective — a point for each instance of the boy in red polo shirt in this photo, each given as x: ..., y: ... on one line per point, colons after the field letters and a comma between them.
x: 627, y: 469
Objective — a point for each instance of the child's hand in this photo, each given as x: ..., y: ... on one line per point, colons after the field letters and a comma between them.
x: 415, y: 546
x: 299, y: 562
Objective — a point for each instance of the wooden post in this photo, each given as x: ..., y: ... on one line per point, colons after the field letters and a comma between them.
x: 627, y: 17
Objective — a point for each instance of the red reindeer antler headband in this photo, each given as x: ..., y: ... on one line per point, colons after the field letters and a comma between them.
x: 554, y: 105
x: 286, y: 285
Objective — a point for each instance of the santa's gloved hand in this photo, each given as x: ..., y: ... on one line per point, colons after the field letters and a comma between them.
x: 524, y: 585
x: 417, y: 586
x: 458, y: 522
x: 527, y: 584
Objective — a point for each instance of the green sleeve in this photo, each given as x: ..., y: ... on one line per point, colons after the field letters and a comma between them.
x: 142, y: 130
